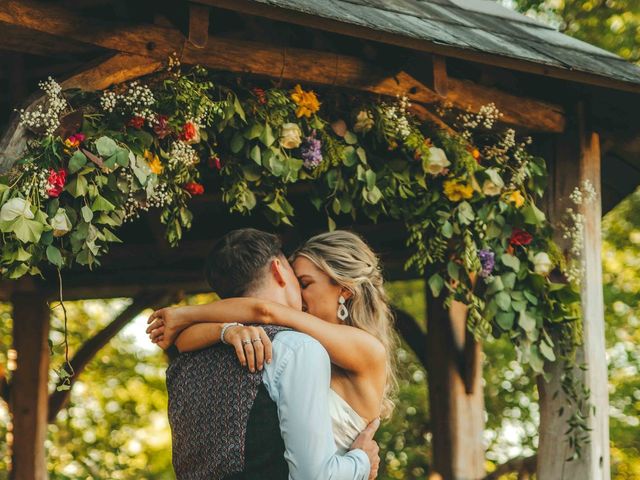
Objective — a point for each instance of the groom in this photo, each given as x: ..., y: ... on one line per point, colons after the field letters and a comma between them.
x: 228, y: 423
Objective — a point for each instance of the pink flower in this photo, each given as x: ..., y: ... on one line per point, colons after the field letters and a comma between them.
x: 161, y: 126
x: 56, y: 182
x: 215, y: 162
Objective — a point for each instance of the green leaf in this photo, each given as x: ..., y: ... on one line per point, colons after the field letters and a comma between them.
x: 533, y: 215
x: 87, y: 213
x: 78, y: 160
x: 465, y: 213
x: 509, y: 280
x: 511, y: 261
x: 54, y: 256
x: 526, y: 322
x: 370, y: 176
x: 505, y: 320
x: 266, y: 137
x: 350, y: 158
x: 140, y: 168
x: 373, y: 195
x: 256, y: 154
x: 496, y: 285
x: 503, y: 300
x: 78, y: 186
x: 106, y: 146
x: 350, y: 138
x: 237, y: 106
x: 362, y: 155
x: 436, y: 282
x: 254, y: 131
x: 122, y: 157
x: 237, y: 142
x: 27, y: 231
x: 331, y: 224
x: 101, y: 204
x: 547, y: 351
x: 453, y: 269
x: 447, y: 229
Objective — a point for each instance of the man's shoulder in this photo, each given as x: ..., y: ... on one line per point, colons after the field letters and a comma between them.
x: 292, y: 340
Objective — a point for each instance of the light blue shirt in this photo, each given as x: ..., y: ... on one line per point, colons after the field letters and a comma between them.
x: 298, y: 381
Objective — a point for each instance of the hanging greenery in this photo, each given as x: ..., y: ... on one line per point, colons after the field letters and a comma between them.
x: 468, y: 196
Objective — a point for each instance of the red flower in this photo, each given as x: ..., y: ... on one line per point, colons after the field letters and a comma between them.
x: 520, y: 237
x: 74, y: 141
x: 136, y: 122
x: 215, y: 162
x: 56, y: 181
x: 189, y: 132
x: 194, y: 188
x: 260, y: 95
x: 161, y: 126
x: 80, y: 137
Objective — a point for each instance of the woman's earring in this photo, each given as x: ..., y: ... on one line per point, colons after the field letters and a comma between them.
x: 343, y: 313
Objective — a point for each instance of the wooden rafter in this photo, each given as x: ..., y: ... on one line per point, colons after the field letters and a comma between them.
x: 289, y: 64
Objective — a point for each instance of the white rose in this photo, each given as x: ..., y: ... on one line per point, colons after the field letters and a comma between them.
x: 437, y: 161
x: 542, y: 263
x: 494, y: 184
x: 290, y: 136
x: 60, y: 223
x: 15, y: 208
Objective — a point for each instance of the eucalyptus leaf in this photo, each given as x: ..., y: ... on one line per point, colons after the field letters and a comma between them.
x: 511, y: 261
x: 106, y: 146
x: 77, y: 161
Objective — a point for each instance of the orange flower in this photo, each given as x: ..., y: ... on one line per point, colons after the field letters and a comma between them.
x: 307, y: 102
x: 154, y: 162
x: 475, y: 153
x: 456, y: 191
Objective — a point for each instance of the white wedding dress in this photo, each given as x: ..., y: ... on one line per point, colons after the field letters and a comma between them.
x: 347, y: 424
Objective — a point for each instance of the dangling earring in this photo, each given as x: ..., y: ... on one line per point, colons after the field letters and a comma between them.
x: 343, y: 313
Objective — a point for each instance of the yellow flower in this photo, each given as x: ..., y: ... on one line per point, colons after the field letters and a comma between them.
x: 515, y: 197
x: 456, y: 191
x: 307, y: 102
x: 154, y: 162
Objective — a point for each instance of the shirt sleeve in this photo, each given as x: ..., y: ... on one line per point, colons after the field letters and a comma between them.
x: 298, y: 380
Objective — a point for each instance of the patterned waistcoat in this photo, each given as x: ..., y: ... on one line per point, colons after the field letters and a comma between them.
x: 223, y: 423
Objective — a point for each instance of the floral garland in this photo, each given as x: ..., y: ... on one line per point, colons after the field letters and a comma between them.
x: 468, y: 199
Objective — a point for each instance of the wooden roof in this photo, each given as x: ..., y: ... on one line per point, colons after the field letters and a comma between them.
x: 457, y: 28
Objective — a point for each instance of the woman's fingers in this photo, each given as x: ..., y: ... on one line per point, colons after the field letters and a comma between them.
x: 154, y: 315
x: 258, y: 348
x: 156, y: 323
x: 266, y: 344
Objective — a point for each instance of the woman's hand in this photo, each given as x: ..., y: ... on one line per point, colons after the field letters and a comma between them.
x: 165, y: 326
x: 252, y: 346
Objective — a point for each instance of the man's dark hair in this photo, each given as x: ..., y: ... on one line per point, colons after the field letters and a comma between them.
x: 237, y: 261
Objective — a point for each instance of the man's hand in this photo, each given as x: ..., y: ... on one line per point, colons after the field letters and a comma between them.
x: 366, y: 443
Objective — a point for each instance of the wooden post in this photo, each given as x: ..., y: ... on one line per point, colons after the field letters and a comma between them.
x: 455, y: 393
x: 29, y: 396
x: 577, y: 159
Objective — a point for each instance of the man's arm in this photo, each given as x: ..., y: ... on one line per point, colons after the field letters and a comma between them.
x: 298, y: 380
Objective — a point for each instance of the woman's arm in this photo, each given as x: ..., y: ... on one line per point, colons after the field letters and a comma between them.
x: 350, y: 348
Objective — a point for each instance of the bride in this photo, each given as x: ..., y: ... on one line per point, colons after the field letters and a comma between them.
x: 344, y: 307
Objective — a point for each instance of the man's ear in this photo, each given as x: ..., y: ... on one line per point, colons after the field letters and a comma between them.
x: 277, y: 272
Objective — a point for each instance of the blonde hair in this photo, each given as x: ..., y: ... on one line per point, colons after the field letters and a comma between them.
x: 351, y: 263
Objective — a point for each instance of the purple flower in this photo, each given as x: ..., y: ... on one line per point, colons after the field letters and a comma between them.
x: 487, y: 260
x: 311, y: 151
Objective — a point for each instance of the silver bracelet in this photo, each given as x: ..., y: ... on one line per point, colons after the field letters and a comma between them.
x: 224, y: 329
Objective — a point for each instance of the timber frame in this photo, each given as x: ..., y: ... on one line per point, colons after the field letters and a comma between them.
x: 566, y: 113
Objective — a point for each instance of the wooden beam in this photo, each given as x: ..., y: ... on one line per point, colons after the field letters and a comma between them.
x: 28, y: 393
x: 457, y: 416
x: 198, y: 25
x: 577, y: 159
x: 440, y: 77
x: 291, y: 64
x: 274, y: 12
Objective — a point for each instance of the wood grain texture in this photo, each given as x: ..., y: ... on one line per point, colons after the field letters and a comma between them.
x: 457, y: 416
x: 28, y: 392
x: 290, y: 64
x: 577, y: 158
